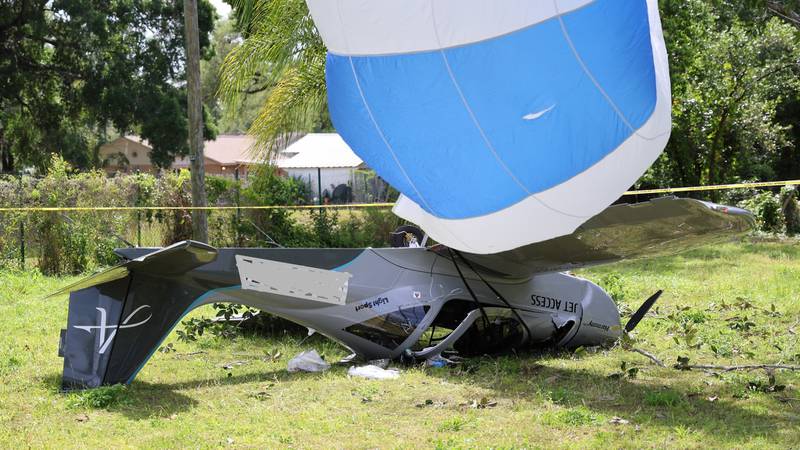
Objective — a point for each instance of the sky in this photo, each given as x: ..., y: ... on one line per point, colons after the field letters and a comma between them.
x: 222, y: 8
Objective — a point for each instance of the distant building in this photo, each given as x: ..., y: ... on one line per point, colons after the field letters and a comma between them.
x: 329, y: 167
x: 222, y: 156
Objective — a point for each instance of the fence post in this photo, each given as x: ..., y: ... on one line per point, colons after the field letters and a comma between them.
x: 319, y: 185
x: 21, y: 227
x: 238, y: 216
x: 138, y: 223
x: 138, y: 211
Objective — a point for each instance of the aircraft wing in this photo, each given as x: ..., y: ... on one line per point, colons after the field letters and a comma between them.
x: 661, y: 226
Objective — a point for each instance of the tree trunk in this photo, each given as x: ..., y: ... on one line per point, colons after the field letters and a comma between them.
x: 195, y: 99
x: 715, y: 153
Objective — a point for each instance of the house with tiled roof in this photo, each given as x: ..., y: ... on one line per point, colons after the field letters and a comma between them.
x: 223, y: 156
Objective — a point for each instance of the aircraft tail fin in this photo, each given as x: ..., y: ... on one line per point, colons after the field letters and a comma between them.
x: 118, y: 318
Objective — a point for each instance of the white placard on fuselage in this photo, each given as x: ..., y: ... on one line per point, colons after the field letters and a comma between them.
x: 292, y: 280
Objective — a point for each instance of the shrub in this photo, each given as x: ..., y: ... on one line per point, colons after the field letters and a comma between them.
x: 790, y: 209
x: 666, y: 398
x: 174, y: 190
x: 100, y: 397
x: 74, y: 243
x: 766, y: 207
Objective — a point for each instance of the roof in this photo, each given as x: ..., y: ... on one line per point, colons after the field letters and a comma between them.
x: 136, y: 139
x: 319, y: 150
x: 230, y: 149
x: 226, y: 149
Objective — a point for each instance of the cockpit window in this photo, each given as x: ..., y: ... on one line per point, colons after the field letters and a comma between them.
x: 497, y: 335
x: 390, y: 330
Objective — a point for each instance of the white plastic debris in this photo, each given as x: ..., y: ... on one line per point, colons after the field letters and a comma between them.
x: 309, y: 361
x: 382, y: 363
x: 373, y: 372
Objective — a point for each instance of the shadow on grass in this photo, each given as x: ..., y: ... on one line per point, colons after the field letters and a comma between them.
x: 648, y: 402
x: 139, y: 401
x: 716, y: 257
x: 280, y: 375
x: 680, y: 263
x: 673, y: 404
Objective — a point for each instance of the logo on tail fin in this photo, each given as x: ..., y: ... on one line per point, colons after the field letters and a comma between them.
x: 105, y: 342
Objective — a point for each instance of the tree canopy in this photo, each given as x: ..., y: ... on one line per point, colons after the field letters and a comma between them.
x: 72, y: 69
x: 732, y: 66
x: 282, y: 52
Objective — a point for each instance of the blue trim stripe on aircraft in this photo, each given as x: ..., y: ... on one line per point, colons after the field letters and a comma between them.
x: 196, y: 303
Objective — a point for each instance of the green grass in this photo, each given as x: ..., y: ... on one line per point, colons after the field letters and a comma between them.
x: 735, y: 303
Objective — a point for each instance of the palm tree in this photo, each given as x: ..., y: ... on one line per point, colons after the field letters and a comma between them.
x: 282, y: 52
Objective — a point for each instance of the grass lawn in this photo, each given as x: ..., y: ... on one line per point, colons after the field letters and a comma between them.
x: 736, y: 303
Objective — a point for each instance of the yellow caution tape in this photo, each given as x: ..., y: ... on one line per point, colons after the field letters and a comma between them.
x: 717, y: 187
x: 188, y: 208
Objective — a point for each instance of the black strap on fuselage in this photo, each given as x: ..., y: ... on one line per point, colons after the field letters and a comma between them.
x: 495, y: 292
x: 469, y: 289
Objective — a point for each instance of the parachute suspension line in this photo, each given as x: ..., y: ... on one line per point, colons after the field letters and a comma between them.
x: 369, y: 110
x: 468, y: 108
x: 498, y: 294
x: 383, y: 137
x: 469, y: 289
x: 588, y: 72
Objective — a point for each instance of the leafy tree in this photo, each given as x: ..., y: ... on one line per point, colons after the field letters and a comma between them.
x: 788, y: 162
x: 728, y: 78
x: 233, y: 118
x: 71, y: 69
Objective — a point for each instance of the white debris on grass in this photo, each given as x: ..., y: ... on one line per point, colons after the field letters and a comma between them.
x: 373, y: 372
x: 308, y: 361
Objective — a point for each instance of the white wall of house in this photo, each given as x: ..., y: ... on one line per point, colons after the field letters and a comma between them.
x: 329, y: 176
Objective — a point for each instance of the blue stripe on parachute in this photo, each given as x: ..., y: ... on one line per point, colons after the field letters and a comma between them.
x: 447, y: 166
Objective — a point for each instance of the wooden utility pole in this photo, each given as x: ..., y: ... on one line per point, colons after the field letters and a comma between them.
x: 195, y: 100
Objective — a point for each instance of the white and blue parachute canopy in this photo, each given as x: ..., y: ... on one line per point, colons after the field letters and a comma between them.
x: 502, y: 122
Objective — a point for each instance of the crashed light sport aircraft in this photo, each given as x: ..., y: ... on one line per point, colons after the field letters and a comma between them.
x: 508, y: 127
x: 380, y: 303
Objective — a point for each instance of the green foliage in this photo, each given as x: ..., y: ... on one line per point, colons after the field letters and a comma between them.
x: 559, y: 396
x: 666, y: 399
x: 69, y: 246
x: 9, y: 365
x: 577, y: 416
x: 790, y: 209
x: 282, y: 52
x: 769, y: 386
x: 454, y: 424
x: 625, y: 371
x: 731, y: 66
x: 766, y: 207
x: 100, y: 398
x: 71, y: 69
x: 230, y: 118
x: 614, y: 286
x: 221, y: 327
x: 267, y: 227
x: 76, y: 242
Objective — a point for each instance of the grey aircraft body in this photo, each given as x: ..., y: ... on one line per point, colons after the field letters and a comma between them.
x: 382, y: 303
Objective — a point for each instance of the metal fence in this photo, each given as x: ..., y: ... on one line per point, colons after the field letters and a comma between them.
x: 41, y: 216
x: 26, y: 231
